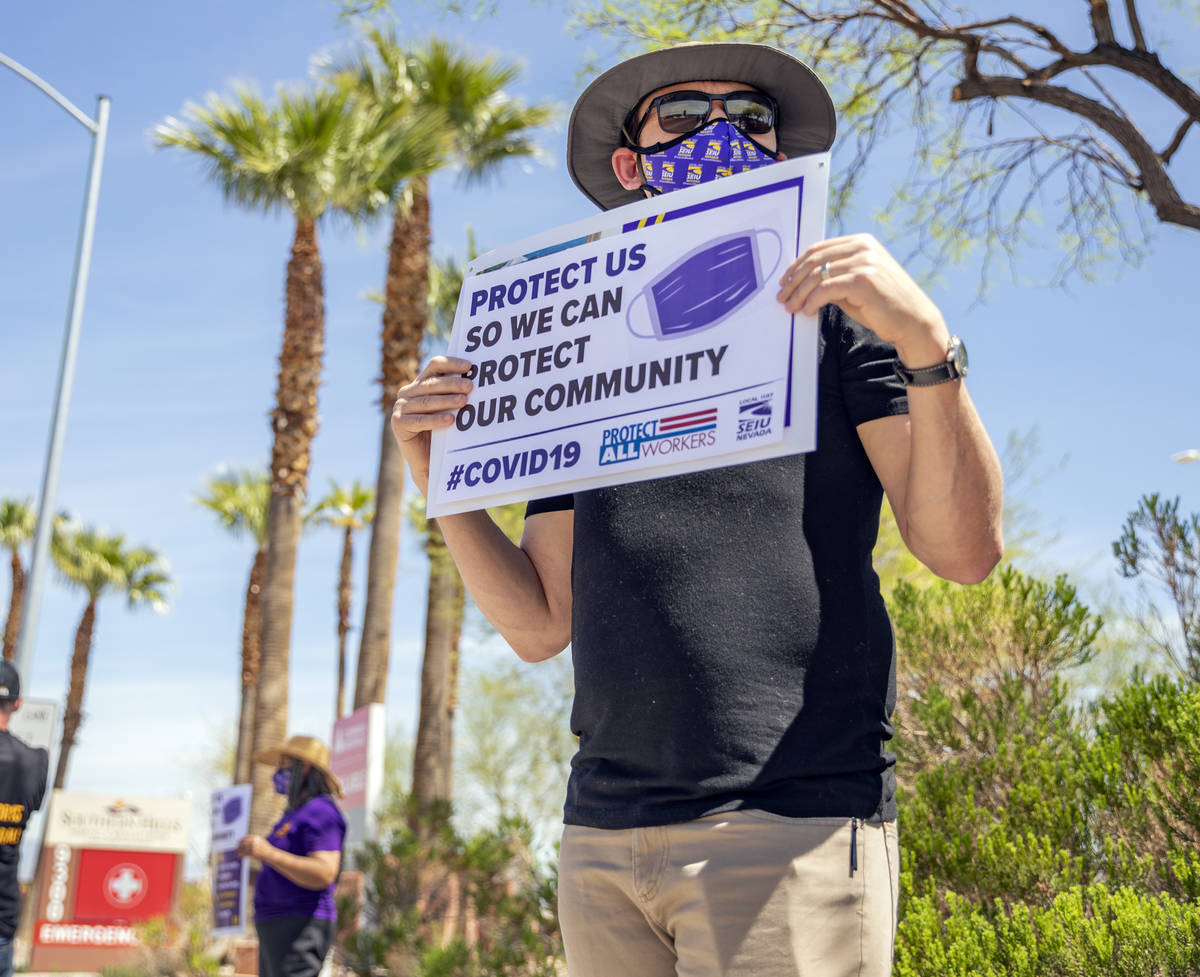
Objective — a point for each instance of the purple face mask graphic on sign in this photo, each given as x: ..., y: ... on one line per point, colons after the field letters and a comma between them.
x: 232, y: 810
x: 704, y: 287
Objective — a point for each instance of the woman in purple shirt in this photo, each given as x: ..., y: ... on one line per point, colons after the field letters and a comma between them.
x: 294, y: 911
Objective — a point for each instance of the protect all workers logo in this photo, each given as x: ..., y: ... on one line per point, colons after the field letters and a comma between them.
x: 754, y: 418
x: 674, y: 434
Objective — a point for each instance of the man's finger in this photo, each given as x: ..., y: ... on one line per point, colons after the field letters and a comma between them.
x: 429, y: 404
x: 413, y: 424
x: 445, y: 384
x: 444, y: 365
x: 834, y: 249
x: 799, y: 296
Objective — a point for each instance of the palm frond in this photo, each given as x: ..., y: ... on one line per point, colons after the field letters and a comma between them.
x: 97, y: 562
x: 439, y: 107
x: 17, y: 523
x: 445, y: 284
x: 343, y: 506
x: 240, y: 500
x: 500, y: 132
x: 297, y: 154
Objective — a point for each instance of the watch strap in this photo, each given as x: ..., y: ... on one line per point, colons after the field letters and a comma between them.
x: 929, y: 376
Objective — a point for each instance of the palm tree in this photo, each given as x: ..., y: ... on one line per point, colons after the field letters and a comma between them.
x: 16, y: 528
x: 309, y: 155
x: 349, y: 509
x: 97, y: 563
x: 240, y: 501
x: 482, y: 127
x: 433, y: 753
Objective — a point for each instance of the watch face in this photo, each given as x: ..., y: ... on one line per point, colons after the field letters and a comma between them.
x: 958, y: 354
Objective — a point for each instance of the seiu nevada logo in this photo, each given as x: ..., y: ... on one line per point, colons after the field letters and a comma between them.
x: 754, y: 418
x: 664, y: 436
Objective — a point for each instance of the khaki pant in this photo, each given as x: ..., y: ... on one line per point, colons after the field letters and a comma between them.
x: 730, y: 895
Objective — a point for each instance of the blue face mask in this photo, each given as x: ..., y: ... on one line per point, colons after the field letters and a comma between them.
x: 282, y: 781
x: 717, y: 150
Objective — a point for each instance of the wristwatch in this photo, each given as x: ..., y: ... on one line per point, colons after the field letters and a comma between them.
x: 954, y: 368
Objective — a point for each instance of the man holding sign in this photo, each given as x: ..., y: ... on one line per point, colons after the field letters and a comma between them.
x: 731, y: 808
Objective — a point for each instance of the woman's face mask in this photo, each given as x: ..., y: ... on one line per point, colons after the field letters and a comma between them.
x: 282, y: 781
x: 717, y: 150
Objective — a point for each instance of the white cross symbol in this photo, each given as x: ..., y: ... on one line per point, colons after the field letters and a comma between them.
x: 125, y: 885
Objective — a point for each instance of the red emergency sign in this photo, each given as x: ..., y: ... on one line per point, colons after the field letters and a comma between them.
x: 124, y: 886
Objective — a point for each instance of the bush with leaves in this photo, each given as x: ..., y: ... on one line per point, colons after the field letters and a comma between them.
x: 441, y: 905
x: 1084, y: 930
x: 1070, y: 797
x: 175, y: 946
x: 1039, y: 836
x: 1144, y: 760
x: 1157, y: 543
x: 973, y: 661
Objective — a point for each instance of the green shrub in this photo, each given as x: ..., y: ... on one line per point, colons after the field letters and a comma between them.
x: 1065, y: 798
x: 1085, y: 930
x: 978, y: 665
x: 175, y: 946
x: 440, y: 905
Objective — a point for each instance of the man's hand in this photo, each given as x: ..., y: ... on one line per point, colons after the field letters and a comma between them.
x: 870, y: 286
x: 429, y: 403
x: 253, y: 846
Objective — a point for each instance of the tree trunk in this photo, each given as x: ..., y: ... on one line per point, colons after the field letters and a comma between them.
x: 16, y: 603
x: 251, y: 654
x: 294, y: 422
x: 73, y: 716
x: 405, y: 315
x: 343, y: 613
x: 433, y: 756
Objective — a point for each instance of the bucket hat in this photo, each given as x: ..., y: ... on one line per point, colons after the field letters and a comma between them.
x: 806, y: 122
x: 306, y: 748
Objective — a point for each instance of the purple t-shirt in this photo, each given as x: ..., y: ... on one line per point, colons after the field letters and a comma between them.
x: 317, y: 825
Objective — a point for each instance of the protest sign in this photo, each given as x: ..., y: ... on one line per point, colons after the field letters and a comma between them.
x: 642, y: 342
x: 231, y: 872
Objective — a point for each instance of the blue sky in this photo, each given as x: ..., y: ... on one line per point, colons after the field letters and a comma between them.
x: 176, y: 369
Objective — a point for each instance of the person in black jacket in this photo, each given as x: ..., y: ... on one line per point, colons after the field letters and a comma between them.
x: 23, y: 772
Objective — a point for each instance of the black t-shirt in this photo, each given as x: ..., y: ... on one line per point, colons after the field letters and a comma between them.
x: 23, y: 771
x: 730, y: 643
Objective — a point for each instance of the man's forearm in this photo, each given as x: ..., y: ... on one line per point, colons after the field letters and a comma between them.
x: 505, y: 584
x: 528, y: 602
x: 954, y: 495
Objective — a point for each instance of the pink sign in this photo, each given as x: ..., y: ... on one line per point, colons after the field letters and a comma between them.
x: 356, y: 758
x: 349, y: 756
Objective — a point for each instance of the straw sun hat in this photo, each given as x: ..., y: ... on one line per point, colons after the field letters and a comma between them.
x: 307, y: 748
x: 806, y: 121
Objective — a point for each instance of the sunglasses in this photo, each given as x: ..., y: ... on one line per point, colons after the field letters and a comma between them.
x: 687, y: 111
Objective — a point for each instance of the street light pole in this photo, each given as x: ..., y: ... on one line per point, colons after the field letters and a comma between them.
x: 66, y: 370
